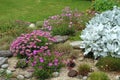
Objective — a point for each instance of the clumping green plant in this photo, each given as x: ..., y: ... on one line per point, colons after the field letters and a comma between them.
x: 84, y: 69
x: 109, y: 64
x: 98, y: 76
x: 103, y: 5
x: 21, y: 63
x: 46, y: 63
x: 63, y: 47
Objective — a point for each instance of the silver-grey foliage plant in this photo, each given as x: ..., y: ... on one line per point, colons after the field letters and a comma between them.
x: 102, y: 34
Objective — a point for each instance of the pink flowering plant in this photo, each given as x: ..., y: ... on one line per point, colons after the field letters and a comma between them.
x: 26, y: 44
x: 63, y: 24
x: 46, y: 63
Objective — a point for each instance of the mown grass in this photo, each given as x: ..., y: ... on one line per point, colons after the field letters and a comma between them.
x: 34, y: 10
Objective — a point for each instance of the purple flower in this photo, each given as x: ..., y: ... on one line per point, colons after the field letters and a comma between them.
x: 50, y: 64
x: 41, y: 59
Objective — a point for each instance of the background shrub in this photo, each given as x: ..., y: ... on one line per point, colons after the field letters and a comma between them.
x: 98, y: 76
x: 109, y: 64
x: 103, y: 5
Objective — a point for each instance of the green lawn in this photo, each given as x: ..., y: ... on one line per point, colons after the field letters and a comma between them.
x: 33, y: 10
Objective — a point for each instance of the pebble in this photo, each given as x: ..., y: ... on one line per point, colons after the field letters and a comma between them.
x: 28, y: 75
x: 55, y: 74
x: 8, y: 72
x: 85, y: 78
x: 4, y: 66
x: 3, y: 60
x: 20, y: 77
x: 72, y: 73
x: 32, y: 25
x: 76, y: 44
x: 117, y: 77
x: 81, y: 59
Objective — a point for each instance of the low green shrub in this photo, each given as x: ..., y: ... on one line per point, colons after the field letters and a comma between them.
x: 103, y: 5
x: 109, y: 64
x: 45, y: 64
x: 98, y: 76
x: 84, y: 69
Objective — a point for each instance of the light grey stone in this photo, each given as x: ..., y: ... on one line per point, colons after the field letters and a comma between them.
x: 61, y: 38
x: 75, y: 44
x: 55, y: 74
x: 4, y: 66
x: 5, y: 53
x: 28, y: 75
x: 32, y: 25
x: 8, y: 72
x: 3, y: 60
x: 117, y: 77
x: 85, y: 77
x: 20, y: 77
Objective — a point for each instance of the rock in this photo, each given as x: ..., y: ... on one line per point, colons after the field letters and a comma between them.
x: 5, y: 53
x: 55, y: 74
x: 81, y: 59
x: 32, y: 25
x: 72, y: 73
x: 3, y: 60
x: 28, y: 75
x: 75, y: 44
x: 117, y: 78
x: 85, y: 78
x: 8, y: 72
x: 20, y: 77
x: 4, y: 66
x: 61, y: 38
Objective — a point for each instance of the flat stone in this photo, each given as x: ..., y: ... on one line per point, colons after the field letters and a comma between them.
x: 3, y: 60
x: 5, y: 53
x: 4, y: 66
x: 72, y: 73
x: 75, y: 44
x: 20, y: 77
x: 61, y: 38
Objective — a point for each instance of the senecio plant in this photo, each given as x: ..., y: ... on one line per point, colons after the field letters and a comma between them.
x: 102, y: 34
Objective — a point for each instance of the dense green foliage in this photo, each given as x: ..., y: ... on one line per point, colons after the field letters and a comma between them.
x: 109, y: 64
x: 98, y: 76
x: 103, y: 5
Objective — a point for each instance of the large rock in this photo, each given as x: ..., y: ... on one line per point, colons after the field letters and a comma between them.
x: 5, y: 53
x: 3, y: 60
x: 72, y: 73
x: 75, y: 44
x: 61, y: 38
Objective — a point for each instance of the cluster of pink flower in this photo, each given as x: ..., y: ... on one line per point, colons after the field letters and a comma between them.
x: 26, y: 44
x: 68, y: 14
x: 45, y: 59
